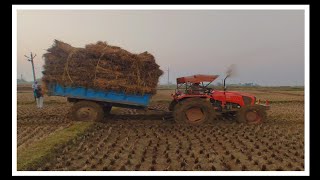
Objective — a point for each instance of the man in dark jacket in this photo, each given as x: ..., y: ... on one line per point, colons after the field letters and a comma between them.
x: 39, y: 97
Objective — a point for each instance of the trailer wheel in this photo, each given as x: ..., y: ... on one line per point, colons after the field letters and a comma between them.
x: 87, y: 111
x: 107, y: 109
x: 251, y: 115
x: 194, y: 111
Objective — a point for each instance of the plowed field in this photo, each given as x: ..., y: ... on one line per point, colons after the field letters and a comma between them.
x: 131, y: 139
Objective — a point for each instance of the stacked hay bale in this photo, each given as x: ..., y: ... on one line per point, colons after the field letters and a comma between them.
x: 102, y: 67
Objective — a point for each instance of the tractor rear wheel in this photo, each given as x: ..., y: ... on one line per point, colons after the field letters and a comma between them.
x: 87, y: 111
x: 252, y: 115
x: 193, y: 111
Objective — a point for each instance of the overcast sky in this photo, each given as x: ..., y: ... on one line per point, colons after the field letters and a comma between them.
x: 267, y: 46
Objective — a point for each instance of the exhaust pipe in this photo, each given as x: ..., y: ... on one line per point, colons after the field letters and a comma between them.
x: 224, y: 83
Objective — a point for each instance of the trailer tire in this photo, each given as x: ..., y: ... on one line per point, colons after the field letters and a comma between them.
x: 87, y: 111
x: 107, y: 109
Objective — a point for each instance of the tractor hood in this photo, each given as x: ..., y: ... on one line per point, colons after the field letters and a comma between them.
x: 240, y: 93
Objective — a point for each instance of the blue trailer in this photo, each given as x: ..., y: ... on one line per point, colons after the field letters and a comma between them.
x: 91, y: 105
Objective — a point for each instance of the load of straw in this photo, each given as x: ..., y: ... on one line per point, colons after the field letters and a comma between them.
x: 102, y: 67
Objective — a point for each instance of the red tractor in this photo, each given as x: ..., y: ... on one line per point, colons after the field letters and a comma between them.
x: 195, y: 103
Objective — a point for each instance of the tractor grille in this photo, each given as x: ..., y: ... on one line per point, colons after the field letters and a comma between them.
x: 247, y: 100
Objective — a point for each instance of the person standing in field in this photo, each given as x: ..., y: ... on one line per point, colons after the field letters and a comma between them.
x: 39, y: 96
x: 35, y: 85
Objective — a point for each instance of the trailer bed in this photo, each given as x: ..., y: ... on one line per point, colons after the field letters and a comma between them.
x: 116, y: 98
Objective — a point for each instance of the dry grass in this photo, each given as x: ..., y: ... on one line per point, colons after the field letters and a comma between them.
x: 100, y: 66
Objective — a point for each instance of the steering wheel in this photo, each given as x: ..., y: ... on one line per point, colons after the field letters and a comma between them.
x: 208, y: 90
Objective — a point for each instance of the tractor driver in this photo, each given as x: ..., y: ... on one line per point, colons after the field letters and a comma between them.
x: 196, y: 88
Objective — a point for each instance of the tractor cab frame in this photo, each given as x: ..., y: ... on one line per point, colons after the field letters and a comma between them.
x: 185, y: 84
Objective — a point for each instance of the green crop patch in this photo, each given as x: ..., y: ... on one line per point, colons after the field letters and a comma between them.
x: 41, y: 151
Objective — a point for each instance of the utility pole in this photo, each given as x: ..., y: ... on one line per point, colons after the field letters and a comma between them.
x: 21, y: 77
x: 168, y: 75
x: 31, y: 59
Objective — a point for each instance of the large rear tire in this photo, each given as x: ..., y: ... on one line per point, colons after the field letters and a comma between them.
x: 252, y: 115
x: 193, y: 111
x: 87, y: 111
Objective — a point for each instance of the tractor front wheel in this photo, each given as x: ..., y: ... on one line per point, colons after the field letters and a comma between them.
x: 252, y: 115
x: 193, y: 111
